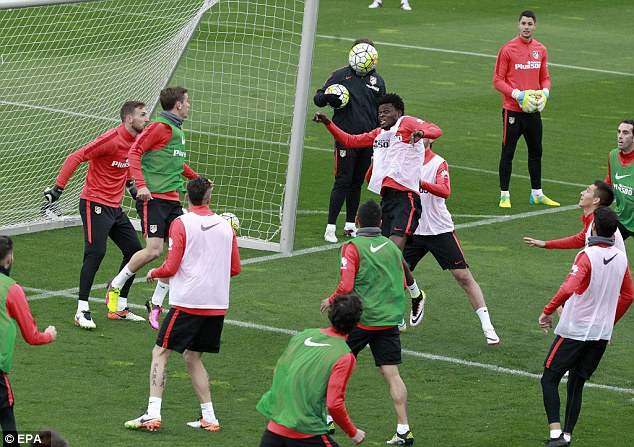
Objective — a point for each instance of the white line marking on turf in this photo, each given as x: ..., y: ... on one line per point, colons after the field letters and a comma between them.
x: 469, y: 53
x: 422, y: 355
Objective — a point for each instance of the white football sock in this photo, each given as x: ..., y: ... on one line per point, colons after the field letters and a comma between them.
x: 554, y: 434
x: 330, y: 228
x: 505, y: 194
x: 207, y: 410
x: 485, y: 319
x: 119, y: 280
x: 82, y: 305
x: 154, y: 407
x: 567, y: 437
x: 349, y: 226
x: 537, y: 192
x: 414, y: 291
x: 122, y: 303
x: 159, y: 293
x: 401, y: 429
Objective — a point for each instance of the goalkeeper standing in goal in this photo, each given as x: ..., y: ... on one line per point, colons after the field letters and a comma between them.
x: 157, y: 162
x: 359, y: 115
x: 100, y: 205
x: 521, y: 75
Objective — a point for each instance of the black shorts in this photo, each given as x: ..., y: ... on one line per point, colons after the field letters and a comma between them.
x: 445, y: 248
x: 270, y: 439
x: 101, y: 221
x: 579, y: 357
x: 400, y: 212
x: 156, y: 216
x: 385, y: 344
x: 181, y: 330
x: 6, y: 394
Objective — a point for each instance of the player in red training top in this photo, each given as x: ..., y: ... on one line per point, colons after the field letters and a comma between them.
x: 435, y: 234
x: 14, y: 309
x: 596, y: 292
x: 595, y: 195
x: 157, y: 163
x: 203, y: 255
x: 398, y: 154
x: 100, y: 204
x: 521, y: 75
x: 621, y: 177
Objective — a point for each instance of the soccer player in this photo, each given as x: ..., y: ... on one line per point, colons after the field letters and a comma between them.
x: 203, y: 254
x: 14, y: 309
x: 621, y: 177
x: 372, y: 267
x: 358, y: 116
x: 157, y: 162
x: 595, y: 195
x: 597, y: 292
x: 435, y: 234
x: 398, y: 154
x: 311, y: 377
x: 100, y: 206
x: 521, y: 71
x: 379, y: 4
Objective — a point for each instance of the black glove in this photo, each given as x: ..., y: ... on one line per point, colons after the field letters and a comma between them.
x: 52, y: 194
x: 333, y: 100
x: 131, y: 187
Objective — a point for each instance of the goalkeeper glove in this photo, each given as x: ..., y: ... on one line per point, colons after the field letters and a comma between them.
x: 131, y: 187
x: 543, y: 98
x: 52, y: 194
x: 525, y: 99
x: 333, y: 100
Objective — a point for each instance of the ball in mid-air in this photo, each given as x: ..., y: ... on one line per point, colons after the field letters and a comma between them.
x: 363, y: 57
x: 341, y: 92
x: 232, y: 219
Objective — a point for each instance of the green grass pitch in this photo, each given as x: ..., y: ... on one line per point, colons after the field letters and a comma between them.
x: 439, y: 58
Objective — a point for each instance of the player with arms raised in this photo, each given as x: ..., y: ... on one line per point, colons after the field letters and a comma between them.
x: 398, y: 154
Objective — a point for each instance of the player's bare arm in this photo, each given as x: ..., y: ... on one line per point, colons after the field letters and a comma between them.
x: 534, y: 242
x: 321, y: 118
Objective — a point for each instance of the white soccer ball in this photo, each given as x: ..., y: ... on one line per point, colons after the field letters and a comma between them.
x: 363, y: 57
x: 341, y: 91
x: 232, y: 219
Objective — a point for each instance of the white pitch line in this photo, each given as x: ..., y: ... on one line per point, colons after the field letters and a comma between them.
x: 422, y: 355
x: 469, y: 53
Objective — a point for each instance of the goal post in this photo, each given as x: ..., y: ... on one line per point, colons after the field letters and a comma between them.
x: 67, y: 67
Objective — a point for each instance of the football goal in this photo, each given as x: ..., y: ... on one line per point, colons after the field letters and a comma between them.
x: 67, y: 67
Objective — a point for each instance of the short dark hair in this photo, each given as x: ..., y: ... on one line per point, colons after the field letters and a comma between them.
x: 605, y: 221
x: 527, y: 13
x: 197, y: 189
x: 394, y: 99
x: 345, y: 312
x: 630, y: 122
x: 604, y: 193
x: 369, y: 214
x: 170, y: 96
x: 129, y: 107
x: 49, y: 438
x: 6, y: 247
x: 358, y: 41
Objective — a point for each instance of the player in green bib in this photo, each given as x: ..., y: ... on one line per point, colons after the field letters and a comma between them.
x: 310, y: 380
x: 372, y: 267
x: 621, y: 177
x: 14, y: 313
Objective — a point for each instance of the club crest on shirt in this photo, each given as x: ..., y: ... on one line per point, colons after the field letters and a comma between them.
x: 511, y: 119
x: 97, y: 210
x: 153, y: 228
x: 535, y: 54
x: 342, y: 153
x: 373, y: 80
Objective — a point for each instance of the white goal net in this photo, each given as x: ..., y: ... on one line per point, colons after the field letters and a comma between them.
x: 66, y: 69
